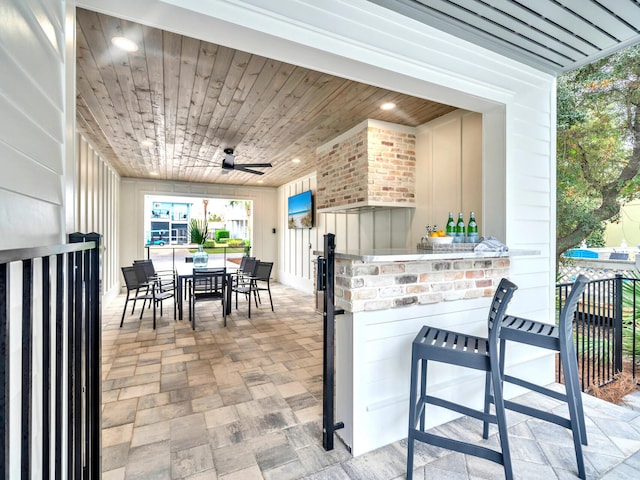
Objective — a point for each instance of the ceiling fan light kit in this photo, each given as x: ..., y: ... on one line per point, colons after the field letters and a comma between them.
x: 228, y: 163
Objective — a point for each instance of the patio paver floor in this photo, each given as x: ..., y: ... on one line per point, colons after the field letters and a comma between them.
x: 245, y: 402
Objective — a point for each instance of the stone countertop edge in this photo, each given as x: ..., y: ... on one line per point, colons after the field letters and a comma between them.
x: 405, y: 255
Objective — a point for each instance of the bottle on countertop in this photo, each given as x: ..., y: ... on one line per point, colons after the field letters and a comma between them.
x: 460, y: 230
x: 472, y: 229
x: 450, y: 229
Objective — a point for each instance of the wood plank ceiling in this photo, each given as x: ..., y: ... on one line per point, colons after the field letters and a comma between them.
x: 192, y: 99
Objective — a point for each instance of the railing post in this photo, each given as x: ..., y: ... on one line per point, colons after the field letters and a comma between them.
x: 90, y: 332
x: 94, y: 364
x: 5, y: 358
x: 326, y: 282
x: 26, y: 396
x: 617, y: 326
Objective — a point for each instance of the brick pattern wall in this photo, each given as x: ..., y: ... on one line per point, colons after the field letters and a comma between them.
x: 392, y: 166
x: 380, y: 286
x: 342, y: 173
x: 375, y: 165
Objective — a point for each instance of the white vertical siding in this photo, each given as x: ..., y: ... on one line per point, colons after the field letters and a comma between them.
x: 449, y: 171
x: 97, y: 197
x: 380, y: 228
x: 296, y: 245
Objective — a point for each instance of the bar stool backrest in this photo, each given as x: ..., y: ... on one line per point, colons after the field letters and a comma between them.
x: 565, y: 326
x: 501, y: 299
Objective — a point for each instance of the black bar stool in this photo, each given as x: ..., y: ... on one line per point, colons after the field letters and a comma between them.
x: 558, y: 338
x: 479, y: 353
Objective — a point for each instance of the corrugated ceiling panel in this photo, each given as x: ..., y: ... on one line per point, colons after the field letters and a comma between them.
x: 551, y: 35
x: 593, y: 12
x: 495, y: 30
x: 626, y: 10
x: 564, y: 18
x: 505, y: 26
x: 535, y: 21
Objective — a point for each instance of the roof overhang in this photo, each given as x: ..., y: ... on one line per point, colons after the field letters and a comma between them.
x: 553, y: 36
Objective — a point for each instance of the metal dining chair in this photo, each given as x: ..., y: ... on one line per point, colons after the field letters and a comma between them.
x: 208, y: 284
x: 150, y: 292
x: 241, y: 281
x: 247, y: 264
x: 254, y: 283
x: 262, y: 281
x: 558, y: 338
x: 165, y: 279
x: 478, y: 353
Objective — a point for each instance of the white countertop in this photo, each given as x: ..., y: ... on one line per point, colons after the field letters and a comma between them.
x: 408, y: 254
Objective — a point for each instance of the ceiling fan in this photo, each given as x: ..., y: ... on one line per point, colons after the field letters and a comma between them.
x: 228, y: 163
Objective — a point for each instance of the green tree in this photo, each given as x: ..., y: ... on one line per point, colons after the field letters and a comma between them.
x: 598, y: 144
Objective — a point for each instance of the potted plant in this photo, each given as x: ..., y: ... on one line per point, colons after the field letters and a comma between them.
x: 199, y: 232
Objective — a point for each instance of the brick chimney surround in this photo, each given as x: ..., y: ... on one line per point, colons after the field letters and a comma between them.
x: 371, y: 165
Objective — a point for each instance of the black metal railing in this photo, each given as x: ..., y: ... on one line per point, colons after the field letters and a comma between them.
x: 605, y: 329
x: 325, y: 282
x: 50, y: 313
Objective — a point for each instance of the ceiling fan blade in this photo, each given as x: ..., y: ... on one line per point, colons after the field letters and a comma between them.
x: 248, y: 170
x: 254, y: 165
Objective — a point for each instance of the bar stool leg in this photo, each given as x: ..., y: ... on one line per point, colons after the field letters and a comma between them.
x: 488, y: 392
x: 574, y: 392
x: 423, y: 393
x: 412, y: 413
x: 495, y: 384
x: 576, y: 416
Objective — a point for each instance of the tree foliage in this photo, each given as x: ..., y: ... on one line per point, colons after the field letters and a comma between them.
x: 598, y: 144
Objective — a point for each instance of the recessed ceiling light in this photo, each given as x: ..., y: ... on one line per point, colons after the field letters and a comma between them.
x: 296, y: 160
x: 260, y: 181
x: 154, y: 174
x: 146, y: 143
x: 125, y: 44
x: 388, y: 106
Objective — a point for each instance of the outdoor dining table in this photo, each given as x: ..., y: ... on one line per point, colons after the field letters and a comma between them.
x: 185, y: 272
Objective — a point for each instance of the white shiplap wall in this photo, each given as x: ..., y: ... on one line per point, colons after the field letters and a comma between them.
x: 32, y: 129
x: 34, y: 103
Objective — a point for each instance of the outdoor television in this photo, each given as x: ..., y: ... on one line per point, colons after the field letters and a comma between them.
x: 300, y: 210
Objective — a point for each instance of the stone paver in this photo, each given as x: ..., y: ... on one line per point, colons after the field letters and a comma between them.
x: 245, y: 402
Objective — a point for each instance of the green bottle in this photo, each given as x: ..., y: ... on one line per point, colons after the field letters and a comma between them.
x: 460, y: 232
x: 450, y: 229
x: 472, y: 229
